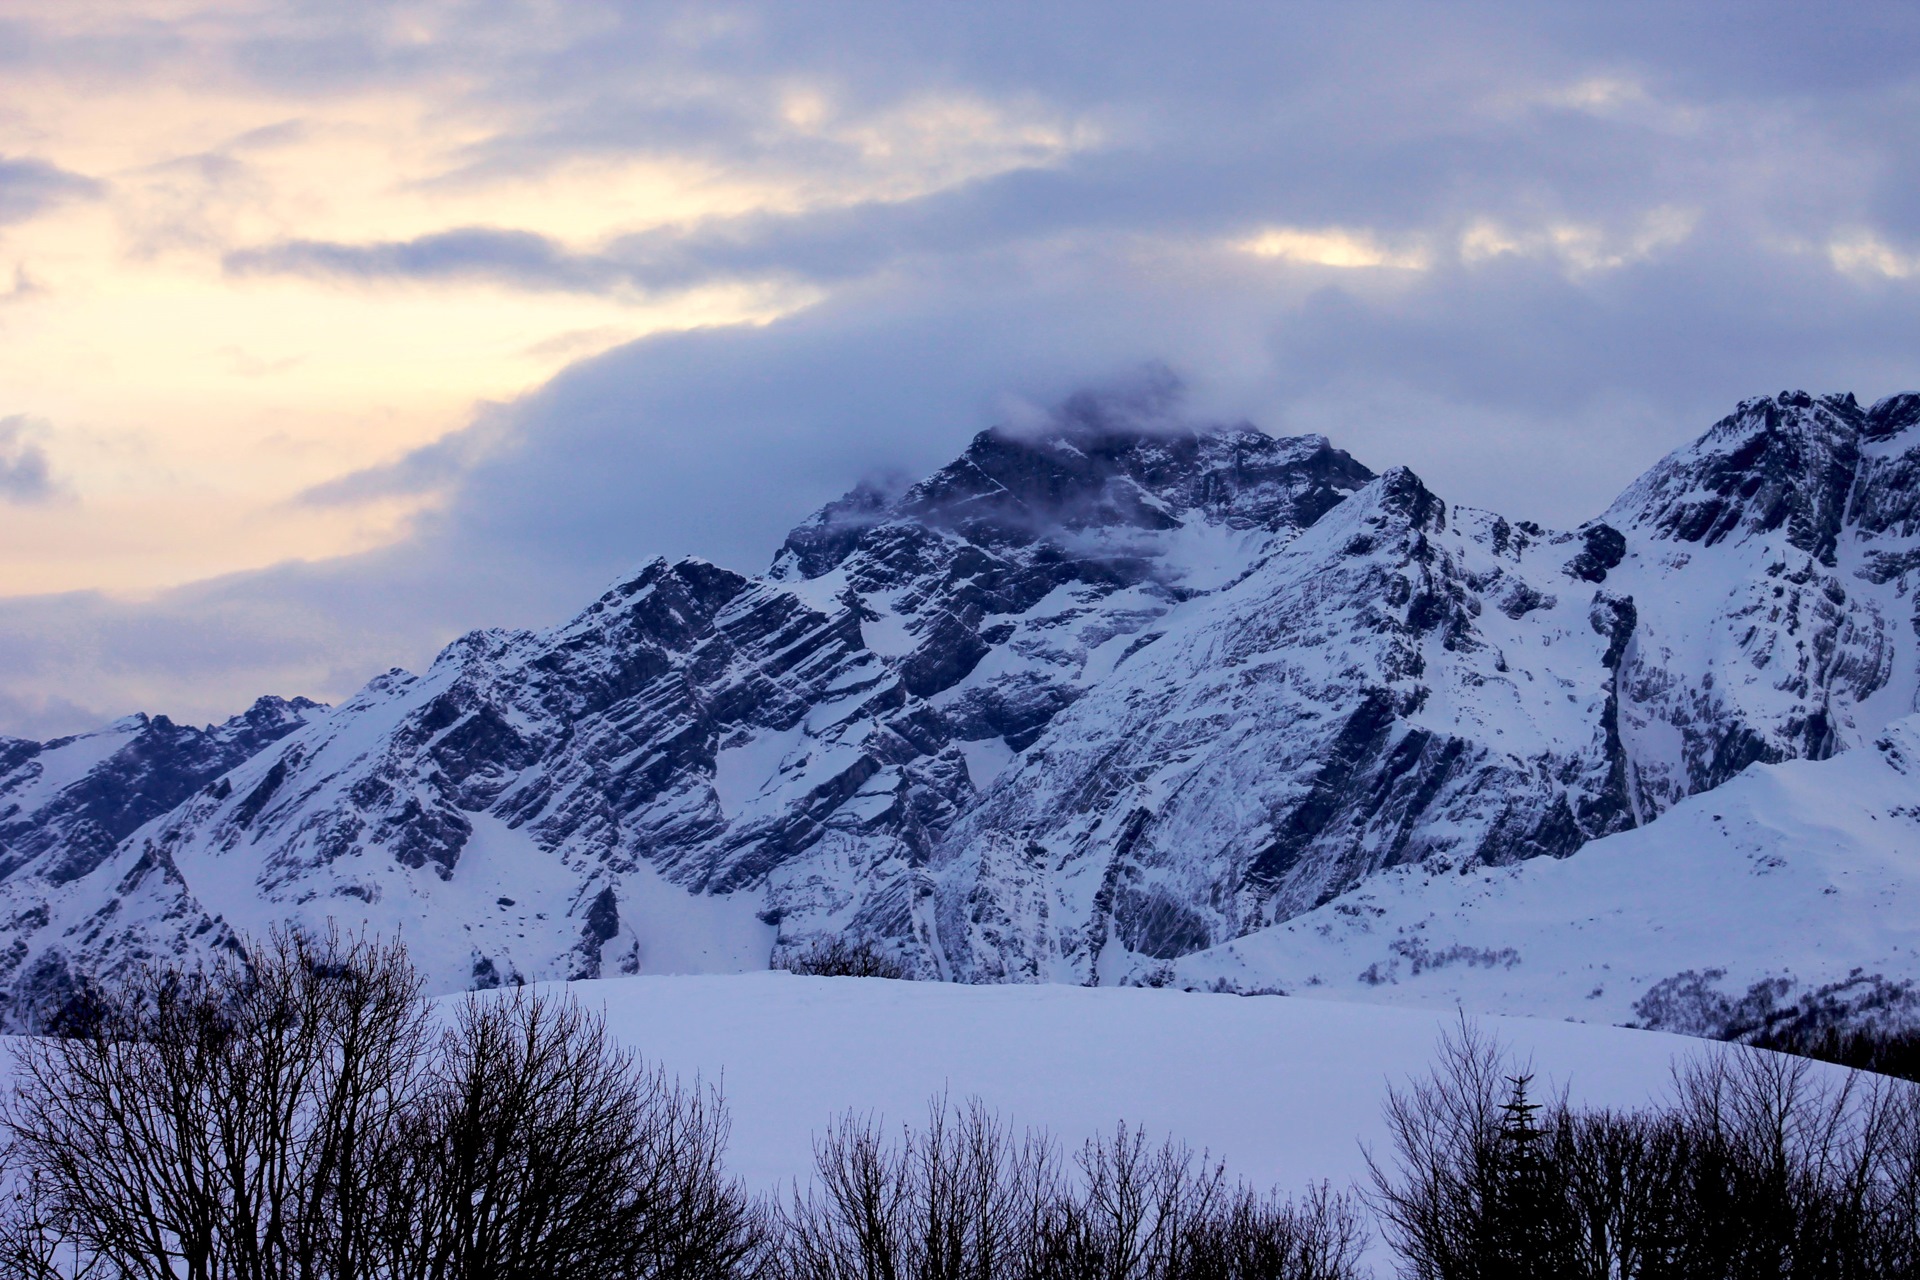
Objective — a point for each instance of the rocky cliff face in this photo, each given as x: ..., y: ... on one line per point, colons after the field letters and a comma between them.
x: 1787, y: 898
x: 1090, y: 699
x: 1771, y: 566
x: 67, y: 805
x: 1402, y: 683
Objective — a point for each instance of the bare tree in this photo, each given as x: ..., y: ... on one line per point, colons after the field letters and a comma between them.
x: 1437, y: 1203
x: 1145, y: 1212
x: 302, y: 1114
x: 967, y: 1199
x: 32, y: 1245
x: 223, y: 1122
x: 543, y: 1151
x: 1760, y: 1169
x: 1256, y: 1237
x: 960, y: 1201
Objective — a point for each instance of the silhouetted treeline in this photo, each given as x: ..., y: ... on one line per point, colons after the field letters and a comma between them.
x: 1763, y: 1167
x: 1886, y: 1051
x: 968, y: 1199
x: 843, y: 958
x: 304, y: 1114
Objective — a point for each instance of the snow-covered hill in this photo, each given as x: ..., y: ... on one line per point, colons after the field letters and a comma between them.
x: 1089, y: 704
x: 1286, y: 1091
x: 1791, y: 892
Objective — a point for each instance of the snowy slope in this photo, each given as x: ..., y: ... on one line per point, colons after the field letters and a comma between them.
x: 1791, y: 892
x: 1771, y: 567
x: 1285, y: 1090
x: 67, y: 805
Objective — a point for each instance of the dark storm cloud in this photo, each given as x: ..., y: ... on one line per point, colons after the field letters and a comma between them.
x: 1626, y: 219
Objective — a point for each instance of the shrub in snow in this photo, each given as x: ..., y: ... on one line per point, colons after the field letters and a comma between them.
x: 966, y: 1198
x: 841, y: 958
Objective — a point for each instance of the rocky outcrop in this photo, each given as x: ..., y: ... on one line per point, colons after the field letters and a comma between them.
x: 66, y: 807
x: 1773, y: 595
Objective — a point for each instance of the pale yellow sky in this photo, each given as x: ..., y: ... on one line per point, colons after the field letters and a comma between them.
x: 183, y: 408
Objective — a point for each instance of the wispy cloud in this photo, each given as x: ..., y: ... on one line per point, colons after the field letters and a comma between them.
x: 1332, y: 247
x: 520, y: 258
x: 1862, y: 253
x: 30, y: 187
x: 26, y: 477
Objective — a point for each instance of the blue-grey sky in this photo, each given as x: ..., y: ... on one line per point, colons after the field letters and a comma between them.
x: 328, y: 330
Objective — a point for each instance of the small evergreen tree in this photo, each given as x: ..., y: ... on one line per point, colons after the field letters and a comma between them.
x: 1521, y: 1213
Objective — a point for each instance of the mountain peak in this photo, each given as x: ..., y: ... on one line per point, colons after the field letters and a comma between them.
x: 1404, y: 494
x: 1892, y: 415
x: 1092, y: 469
x: 1784, y: 462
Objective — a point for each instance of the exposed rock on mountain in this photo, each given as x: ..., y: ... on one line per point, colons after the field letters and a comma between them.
x: 1089, y: 701
x: 542, y: 804
x: 1791, y: 894
x: 66, y: 805
x: 1400, y: 684
x: 1771, y: 568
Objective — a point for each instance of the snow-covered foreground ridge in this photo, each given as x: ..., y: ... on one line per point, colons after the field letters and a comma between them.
x: 1284, y: 1091
x: 1120, y: 701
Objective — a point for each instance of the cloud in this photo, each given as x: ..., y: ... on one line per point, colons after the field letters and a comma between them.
x: 825, y: 246
x: 716, y: 441
x: 1866, y: 254
x: 1331, y: 247
x: 1525, y: 249
x: 25, y: 476
x: 30, y: 187
x: 24, y: 286
x: 420, y: 472
x: 519, y: 258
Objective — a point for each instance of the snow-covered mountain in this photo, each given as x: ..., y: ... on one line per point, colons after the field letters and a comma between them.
x: 1411, y: 684
x: 1089, y: 704
x: 66, y: 806
x: 1792, y: 893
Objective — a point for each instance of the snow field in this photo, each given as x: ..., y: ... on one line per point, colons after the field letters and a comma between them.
x: 1286, y: 1091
